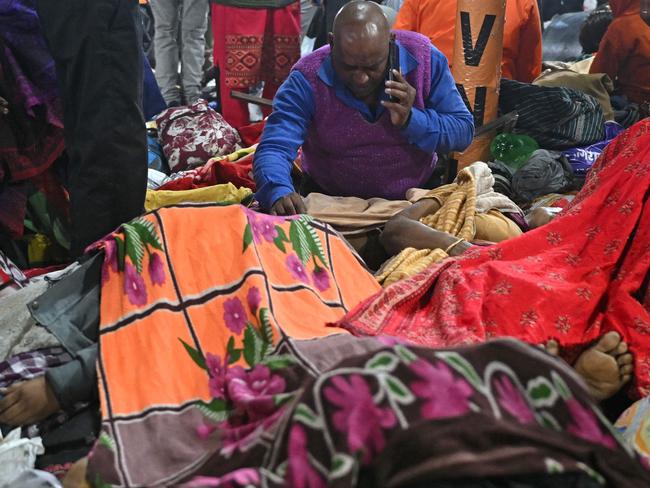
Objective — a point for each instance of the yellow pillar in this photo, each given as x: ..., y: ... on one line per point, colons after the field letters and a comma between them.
x: 476, y: 67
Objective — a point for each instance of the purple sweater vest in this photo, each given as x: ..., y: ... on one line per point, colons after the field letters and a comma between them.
x: 346, y: 155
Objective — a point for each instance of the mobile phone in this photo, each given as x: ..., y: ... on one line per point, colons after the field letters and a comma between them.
x: 393, y: 63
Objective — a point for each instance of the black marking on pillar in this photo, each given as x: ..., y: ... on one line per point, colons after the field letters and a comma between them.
x: 473, y: 54
x: 478, y: 111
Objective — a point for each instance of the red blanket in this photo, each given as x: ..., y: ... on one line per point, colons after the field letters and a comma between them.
x: 574, y: 279
x: 215, y: 172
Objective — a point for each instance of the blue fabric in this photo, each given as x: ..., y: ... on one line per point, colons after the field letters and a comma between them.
x: 157, y: 159
x: 152, y: 100
x: 442, y: 126
x: 583, y: 158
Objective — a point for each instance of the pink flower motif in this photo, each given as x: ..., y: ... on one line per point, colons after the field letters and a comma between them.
x: 359, y: 418
x: 391, y: 341
x: 217, y: 372
x: 237, y: 479
x: 234, y: 315
x: 156, y: 269
x: 204, y: 430
x: 110, y: 258
x: 296, y: 268
x: 444, y: 395
x: 134, y: 285
x: 513, y: 402
x: 252, y: 391
x: 585, y: 425
x: 254, y: 298
x: 300, y: 473
x: 321, y: 279
x: 240, y: 436
x: 264, y: 227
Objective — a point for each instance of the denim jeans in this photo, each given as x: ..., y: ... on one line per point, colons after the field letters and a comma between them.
x: 192, y: 17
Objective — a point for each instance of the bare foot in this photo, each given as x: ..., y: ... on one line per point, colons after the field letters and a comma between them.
x: 606, y: 366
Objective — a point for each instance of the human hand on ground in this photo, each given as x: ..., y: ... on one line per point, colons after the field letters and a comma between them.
x: 290, y: 204
x: 28, y: 402
x: 400, y: 89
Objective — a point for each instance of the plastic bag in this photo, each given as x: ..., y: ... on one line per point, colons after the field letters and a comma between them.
x: 34, y: 478
x: 514, y: 150
x: 583, y: 158
x: 17, y: 455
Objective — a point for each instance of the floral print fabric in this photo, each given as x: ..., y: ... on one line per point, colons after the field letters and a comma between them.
x: 217, y: 284
x: 192, y: 135
x: 395, y: 415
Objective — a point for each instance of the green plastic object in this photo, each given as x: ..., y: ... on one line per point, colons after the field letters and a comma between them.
x: 513, y: 149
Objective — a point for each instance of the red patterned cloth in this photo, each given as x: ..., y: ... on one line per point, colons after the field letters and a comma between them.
x: 252, y: 134
x: 35, y: 272
x: 216, y: 172
x: 581, y: 275
x: 191, y: 135
x: 250, y: 46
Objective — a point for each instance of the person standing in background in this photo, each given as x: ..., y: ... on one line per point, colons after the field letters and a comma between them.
x: 522, y: 36
x: 97, y: 50
x: 254, y: 41
x: 307, y: 10
x: 193, y: 24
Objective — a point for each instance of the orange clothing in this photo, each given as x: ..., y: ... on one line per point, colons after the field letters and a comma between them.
x: 624, y: 52
x: 522, y: 37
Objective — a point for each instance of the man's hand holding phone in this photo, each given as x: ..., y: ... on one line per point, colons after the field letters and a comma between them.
x: 400, y: 90
x: 402, y: 95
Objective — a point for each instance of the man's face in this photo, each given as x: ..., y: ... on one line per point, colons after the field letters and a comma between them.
x: 360, y: 65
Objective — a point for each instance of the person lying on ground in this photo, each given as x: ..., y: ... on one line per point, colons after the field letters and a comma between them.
x: 407, y: 229
x: 356, y: 140
x: 581, y: 281
x: 580, y: 276
x: 446, y: 222
x: 411, y: 417
x: 70, y: 311
x: 606, y: 366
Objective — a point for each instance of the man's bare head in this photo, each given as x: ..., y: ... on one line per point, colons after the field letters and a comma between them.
x: 359, y: 43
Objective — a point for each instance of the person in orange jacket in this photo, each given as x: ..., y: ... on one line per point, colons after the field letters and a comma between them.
x: 522, y: 37
x: 624, y: 52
